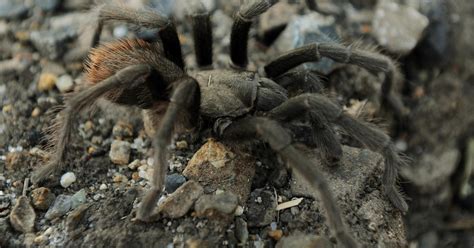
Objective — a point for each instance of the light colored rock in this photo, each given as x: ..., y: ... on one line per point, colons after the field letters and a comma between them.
x: 397, y: 27
x: 120, y: 152
x: 215, y: 166
x: 304, y: 241
x: 212, y: 205
x: 47, y: 81
x: 177, y: 204
x: 67, y: 179
x: 65, y: 83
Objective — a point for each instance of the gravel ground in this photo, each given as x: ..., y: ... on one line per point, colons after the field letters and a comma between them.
x: 228, y: 194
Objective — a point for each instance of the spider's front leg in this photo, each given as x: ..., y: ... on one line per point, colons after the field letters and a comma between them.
x: 322, y: 110
x: 126, y: 78
x: 372, y: 61
x: 280, y: 141
x: 182, y: 109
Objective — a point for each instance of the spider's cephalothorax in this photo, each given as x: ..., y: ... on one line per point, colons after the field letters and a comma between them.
x: 241, y: 105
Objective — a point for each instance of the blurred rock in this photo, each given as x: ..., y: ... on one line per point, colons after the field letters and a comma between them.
x: 261, y: 208
x: 14, y: 66
x: 215, y: 166
x: 47, y: 81
x: 122, y: 130
x: 52, y: 43
x: 306, y: 29
x: 13, y: 9
x: 211, y: 205
x: 397, y: 27
x: 65, y: 203
x: 174, y: 181
x: 120, y: 152
x: 42, y: 198
x: 65, y: 83
x: 304, y: 241
x: 178, y: 203
x: 15, y: 160
x: 241, y: 230
x: 433, y: 170
x: 23, y: 215
x: 67, y: 179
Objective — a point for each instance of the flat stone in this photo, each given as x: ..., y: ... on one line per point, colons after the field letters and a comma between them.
x: 23, y: 215
x: 211, y: 205
x: 348, y: 178
x: 261, y: 208
x: 120, y: 152
x: 304, y: 241
x: 434, y: 170
x: 397, y: 27
x: 215, y: 167
x: 42, y: 198
x: 176, y: 205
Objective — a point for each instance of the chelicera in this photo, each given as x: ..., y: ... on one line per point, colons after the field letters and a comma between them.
x: 235, y: 103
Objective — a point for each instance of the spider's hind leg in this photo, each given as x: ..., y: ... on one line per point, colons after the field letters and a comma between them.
x: 300, y: 81
x: 280, y: 141
x: 326, y: 112
x: 75, y: 105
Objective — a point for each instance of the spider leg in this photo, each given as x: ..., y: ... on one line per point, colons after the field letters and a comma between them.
x: 202, y: 35
x: 373, y: 138
x: 147, y: 19
x: 301, y: 81
x: 371, y: 61
x: 279, y: 140
x: 75, y: 105
x: 241, y: 27
x: 185, y: 100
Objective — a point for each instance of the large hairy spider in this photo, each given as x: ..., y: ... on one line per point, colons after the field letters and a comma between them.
x: 236, y: 103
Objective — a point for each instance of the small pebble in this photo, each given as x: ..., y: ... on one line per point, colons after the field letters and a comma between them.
x: 134, y: 164
x: 224, y: 203
x: 47, y: 81
x: 120, y: 31
x: 173, y: 182
x: 67, y: 179
x: 122, y: 130
x: 103, y: 186
x: 36, y: 112
x: 65, y: 83
x: 42, y: 198
x: 181, y: 145
x: 60, y: 207
x: 119, y: 178
x: 275, y: 234
x: 239, y: 211
x: 120, y: 152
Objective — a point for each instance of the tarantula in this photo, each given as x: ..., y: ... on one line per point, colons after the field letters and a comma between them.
x: 236, y: 103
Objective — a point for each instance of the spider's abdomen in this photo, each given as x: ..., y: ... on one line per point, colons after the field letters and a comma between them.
x: 109, y: 58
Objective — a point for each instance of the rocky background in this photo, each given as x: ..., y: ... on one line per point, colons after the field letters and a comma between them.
x: 231, y: 195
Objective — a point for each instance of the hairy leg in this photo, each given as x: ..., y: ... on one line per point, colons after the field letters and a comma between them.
x: 145, y: 19
x: 241, y: 27
x: 325, y: 111
x: 185, y: 101
x: 280, y: 141
x: 372, y: 61
x: 127, y: 77
x: 300, y: 81
x: 202, y: 35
